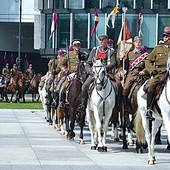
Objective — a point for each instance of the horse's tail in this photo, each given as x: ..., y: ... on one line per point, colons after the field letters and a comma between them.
x: 140, y: 132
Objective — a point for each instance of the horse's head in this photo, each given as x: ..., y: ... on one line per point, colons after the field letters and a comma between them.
x: 81, y: 71
x: 168, y: 64
x: 100, y: 74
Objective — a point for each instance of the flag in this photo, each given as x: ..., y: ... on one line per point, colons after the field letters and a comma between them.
x: 5, y: 57
x: 96, y: 21
x: 12, y: 60
x: 139, y: 24
x: 54, y: 23
x: 26, y: 61
x: 127, y: 45
x: 113, y: 15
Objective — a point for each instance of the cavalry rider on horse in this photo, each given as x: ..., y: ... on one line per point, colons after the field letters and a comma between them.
x: 156, y: 64
x: 30, y: 72
x: 14, y: 71
x: 73, y: 58
x: 6, y: 74
x: 107, y: 55
x: 55, y: 66
x: 134, y: 64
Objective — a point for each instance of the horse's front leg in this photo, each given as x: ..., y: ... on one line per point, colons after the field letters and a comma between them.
x: 81, y: 124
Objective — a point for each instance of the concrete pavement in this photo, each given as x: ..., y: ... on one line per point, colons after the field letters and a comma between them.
x: 27, y: 142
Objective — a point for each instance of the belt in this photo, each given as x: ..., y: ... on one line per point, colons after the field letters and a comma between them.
x: 160, y: 66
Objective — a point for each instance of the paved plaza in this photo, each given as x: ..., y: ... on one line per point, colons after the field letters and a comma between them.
x: 27, y: 142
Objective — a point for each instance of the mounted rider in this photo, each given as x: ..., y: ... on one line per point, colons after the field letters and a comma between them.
x: 156, y: 64
x: 135, y: 66
x: 107, y: 55
x: 6, y: 70
x: 73, y: 59
x: 30, y: 72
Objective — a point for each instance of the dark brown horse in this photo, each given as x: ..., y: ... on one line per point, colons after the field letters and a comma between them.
x: 73, y: 98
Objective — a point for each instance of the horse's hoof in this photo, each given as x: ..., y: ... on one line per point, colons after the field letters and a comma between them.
x: 158, y: 142
x: 151, y: 162
x: 100, y: 149
x: 130, y: 143
x: 125, y: 147
x: 141, y: 150
x: 104, y: 148
x: 81, y: 141
x: 93, y: 147
x: 168, y: 147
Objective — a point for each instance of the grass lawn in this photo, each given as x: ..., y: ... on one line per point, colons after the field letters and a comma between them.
x: 28, y: 105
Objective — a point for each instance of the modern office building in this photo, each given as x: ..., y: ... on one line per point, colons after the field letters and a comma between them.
x: 76, y: 20
x: 11, y: 11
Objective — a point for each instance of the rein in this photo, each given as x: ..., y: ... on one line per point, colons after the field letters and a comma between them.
x: 104, y: 84
x: 166, y: 92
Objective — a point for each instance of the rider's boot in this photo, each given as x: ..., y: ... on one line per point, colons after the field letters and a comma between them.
x: 82, y: 106
x: 149, y: 106
x: 61, y: 100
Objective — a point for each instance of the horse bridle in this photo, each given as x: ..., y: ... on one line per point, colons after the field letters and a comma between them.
x: 102, y: 82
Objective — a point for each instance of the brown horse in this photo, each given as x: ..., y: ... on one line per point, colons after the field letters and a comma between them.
x: 33, y: 86
x: 17, y: 86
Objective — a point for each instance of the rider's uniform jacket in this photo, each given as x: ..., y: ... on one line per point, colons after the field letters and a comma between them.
x: 30, y: 73
x: 5, y: 71
x: 109, y: 59
x: 73, y: 60
x: 157, y: 59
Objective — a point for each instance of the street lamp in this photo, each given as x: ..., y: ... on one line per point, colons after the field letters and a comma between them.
x: 18, y: 59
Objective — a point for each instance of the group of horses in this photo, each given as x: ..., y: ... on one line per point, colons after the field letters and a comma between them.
x: 18, y: 85
x: 101, y: 109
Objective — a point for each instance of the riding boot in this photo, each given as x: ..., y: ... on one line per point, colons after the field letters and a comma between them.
x: 61, y: 100
x: 149, y: 105
x: 82, y: 106
x: 126, y: 111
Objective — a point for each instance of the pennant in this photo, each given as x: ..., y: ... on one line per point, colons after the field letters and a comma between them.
x: 139, y: 23
x: 124, y: 47
x: 26, y: 61
x: 54, y: 24
x: 113, y: 15
x: 5, y: 57
x: 12, y: 60
x: 96, y: 21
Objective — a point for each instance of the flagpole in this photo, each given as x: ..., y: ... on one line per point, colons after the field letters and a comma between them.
x: 124, y: 40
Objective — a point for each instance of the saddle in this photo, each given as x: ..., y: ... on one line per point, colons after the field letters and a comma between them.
x: 159, y: 88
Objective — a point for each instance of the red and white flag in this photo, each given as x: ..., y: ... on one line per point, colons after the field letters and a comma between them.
x: 124, y: 47
x: 140, y: 21
x: 96, y: 21
x: 54, y: 24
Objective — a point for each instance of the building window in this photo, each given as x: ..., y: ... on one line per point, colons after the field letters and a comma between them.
x: 91, y: 4
x: 143, y: 4
x: 80, y: 28
x: 48, y: 39
x: 63, y: 30
x: 59, y: 4
x: 163, y: 21
x: 149, y: 30
x: 127, y: 3
x: 108, y: 3
x: 160, y: 4
x: 48, y: 4
x: 76, y: 4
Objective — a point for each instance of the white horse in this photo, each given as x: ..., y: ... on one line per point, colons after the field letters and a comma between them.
x: 99, y: 107
x: 164, y: 104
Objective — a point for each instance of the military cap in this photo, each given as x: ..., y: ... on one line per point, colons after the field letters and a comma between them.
x: 30, y: 65
x: 103, y: 36
x: 7, y: 64
x: 137, y: 38
x: 166, y: 31
x: 61, y: 52
x: 76, y: 41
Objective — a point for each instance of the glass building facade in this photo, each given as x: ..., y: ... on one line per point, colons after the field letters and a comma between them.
x: 76, y: 20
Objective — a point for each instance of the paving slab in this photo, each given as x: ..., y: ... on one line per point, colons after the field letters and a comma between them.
x: 28, y: 142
